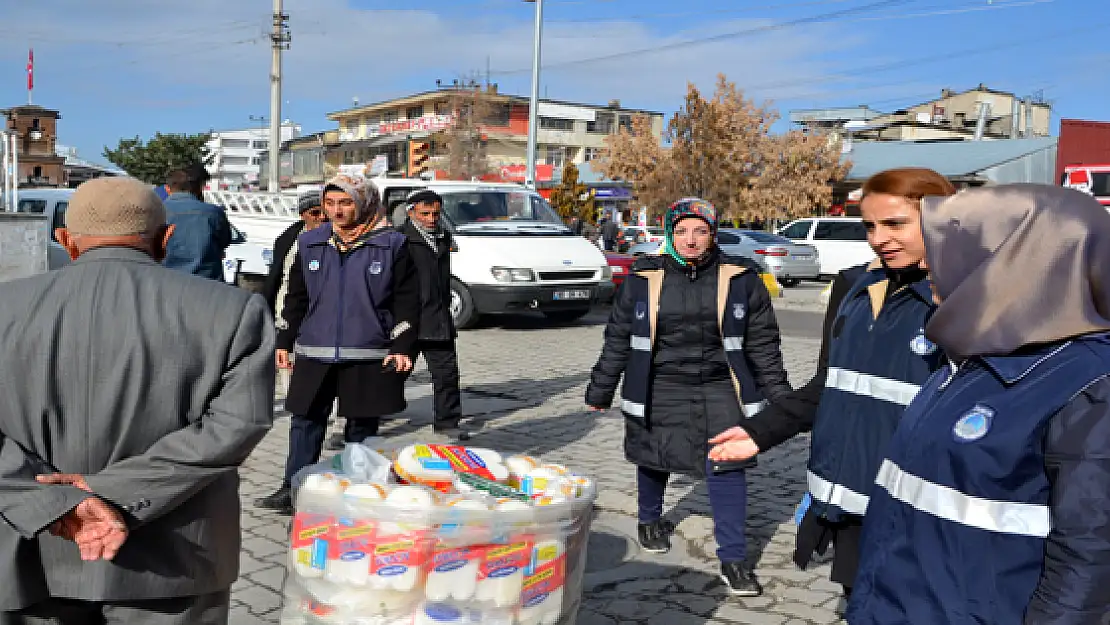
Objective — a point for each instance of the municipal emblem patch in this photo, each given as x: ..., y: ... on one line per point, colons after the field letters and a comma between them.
x: 641, y: 310
x: 376, y: 267
x: 314, y: 265
x: 973, y: 425
x: 738, y: 311
x: 922, y: 346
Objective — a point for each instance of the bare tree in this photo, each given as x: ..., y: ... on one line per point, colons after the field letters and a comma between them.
x: 472, y: 107
x: 721, y: 149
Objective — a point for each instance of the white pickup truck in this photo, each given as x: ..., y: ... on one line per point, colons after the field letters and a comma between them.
x: 512, y: 251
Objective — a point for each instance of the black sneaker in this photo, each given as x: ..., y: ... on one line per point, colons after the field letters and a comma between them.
x: 655, y: 537
x: 335, y: 442
x: 281, y: 501
x: 453, y: 432
x: 740, y: 579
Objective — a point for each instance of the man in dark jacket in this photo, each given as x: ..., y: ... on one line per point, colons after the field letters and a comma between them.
x: 202, y: 231
x: 430, y: 247
x: 285, y: 250
x: 609, y: 232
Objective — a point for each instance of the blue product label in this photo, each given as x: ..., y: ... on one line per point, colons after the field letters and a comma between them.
x: 443, y: 613
x: 319, y: 554
x: 503, y: 572
x: 352, y: 556
x: 393, y: 571
x: 435, y: 464
x: 535, y: 601
x: 447, y: 567
x: 475, y: 458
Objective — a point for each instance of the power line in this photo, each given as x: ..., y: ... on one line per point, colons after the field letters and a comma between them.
x: 943, y: 9
x: 885, y: 67
x: 824, y: 17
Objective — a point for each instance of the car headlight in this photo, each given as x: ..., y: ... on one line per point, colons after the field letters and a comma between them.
x: 505, y: 274
x: 606, y: 272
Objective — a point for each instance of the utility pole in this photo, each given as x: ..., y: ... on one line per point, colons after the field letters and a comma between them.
x: 534, y: 103
x: 280, y: 40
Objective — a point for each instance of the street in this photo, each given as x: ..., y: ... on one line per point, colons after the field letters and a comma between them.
x: 523, y: 383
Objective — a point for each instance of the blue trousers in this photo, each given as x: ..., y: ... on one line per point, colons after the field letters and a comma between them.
x: 306, y: 438
x: 728, y: 497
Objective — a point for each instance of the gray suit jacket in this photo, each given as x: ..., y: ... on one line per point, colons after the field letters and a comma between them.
x: 154, y: 384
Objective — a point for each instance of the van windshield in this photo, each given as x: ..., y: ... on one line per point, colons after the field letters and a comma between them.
x: 476, y: 207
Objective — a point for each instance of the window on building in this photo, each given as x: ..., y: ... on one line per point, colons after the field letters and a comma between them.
x: 592, y: 154
x: 389, y: 117
x: 235, y: 144
x: 256, y: 160
x: 35, y: 124
x: 499, y: 115
x: 414, y: 112
x: 626, y: 122
x: 555, y: 123
x: 236, y: 161
x: 37, y: 171
x: 602, y: 124
x: 443, y: 108
x: 261, y: 144
x: 556, y: 156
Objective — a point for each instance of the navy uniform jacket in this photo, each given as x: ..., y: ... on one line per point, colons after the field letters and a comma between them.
x: 991, y: 506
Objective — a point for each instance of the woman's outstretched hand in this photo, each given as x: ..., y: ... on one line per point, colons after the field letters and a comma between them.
x: 732, y: 445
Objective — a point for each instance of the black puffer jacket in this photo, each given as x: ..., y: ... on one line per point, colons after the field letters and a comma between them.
x: 434, y: 270
x: 692, y: 396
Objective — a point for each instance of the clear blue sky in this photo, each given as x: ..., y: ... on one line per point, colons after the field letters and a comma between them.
x: 120, y: 68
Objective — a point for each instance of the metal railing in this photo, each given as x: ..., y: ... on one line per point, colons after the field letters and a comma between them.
x: 256, y: 204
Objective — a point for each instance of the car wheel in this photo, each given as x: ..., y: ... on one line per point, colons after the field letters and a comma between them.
x: 249, y: 282
x: 462, y: 306
x: 566, y: 316
x: 790, y: 282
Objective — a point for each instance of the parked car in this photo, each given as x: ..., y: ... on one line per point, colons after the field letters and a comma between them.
x: 620, y: 264
x: 788, y: 261
x: 53, y: 203
x: 841, y: 242
x: 643, y: 234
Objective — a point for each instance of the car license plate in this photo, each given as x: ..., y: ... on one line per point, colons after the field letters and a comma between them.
x: 802, y: 257
x: 567, y: 295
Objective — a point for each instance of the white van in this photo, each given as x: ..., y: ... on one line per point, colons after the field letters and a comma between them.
x: 841, y: 242
x: 512, y: 251
x: 53, y: 203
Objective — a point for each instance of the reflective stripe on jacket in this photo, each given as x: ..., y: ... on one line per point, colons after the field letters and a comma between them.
x: 975, y: 480
x: 878, y: 359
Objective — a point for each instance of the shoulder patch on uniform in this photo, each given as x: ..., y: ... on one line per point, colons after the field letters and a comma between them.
x: 921, y: 345
x: 974, y: 425
x: 314, y: 265
x: 738, y: 311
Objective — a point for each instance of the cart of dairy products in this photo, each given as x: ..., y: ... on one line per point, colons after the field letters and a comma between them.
x: 453, y: 536
x: 23, y: 245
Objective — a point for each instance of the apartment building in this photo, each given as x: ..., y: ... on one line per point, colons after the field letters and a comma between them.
x: 237, y: 154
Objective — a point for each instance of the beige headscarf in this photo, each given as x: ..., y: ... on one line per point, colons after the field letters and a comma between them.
x: 1016, y: 265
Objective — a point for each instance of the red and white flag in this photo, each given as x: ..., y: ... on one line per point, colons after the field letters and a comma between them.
x: 31, y: 69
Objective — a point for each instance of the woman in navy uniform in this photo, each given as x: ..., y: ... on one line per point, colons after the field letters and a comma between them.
x: 873, y: 358
x: 694, y: 335
x: 992, y: 505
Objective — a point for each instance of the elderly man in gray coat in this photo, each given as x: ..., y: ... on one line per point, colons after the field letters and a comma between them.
x: 129, y: 396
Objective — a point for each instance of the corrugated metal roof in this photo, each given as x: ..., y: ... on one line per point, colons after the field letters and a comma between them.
x: 949, y: 158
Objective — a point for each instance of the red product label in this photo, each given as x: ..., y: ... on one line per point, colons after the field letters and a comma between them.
x: 504, y: 560
x: 462, y: 460
x: 308, y: 527
x: 544, y: 580
x: 446, y: 559
x: 351, y: 539
x: 394, y: 555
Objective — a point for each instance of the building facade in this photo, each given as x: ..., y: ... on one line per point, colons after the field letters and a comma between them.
x: 37, y: 131
x: 567, y: 131
x: 979, y: 113
x: 78, y: 170
x: 237, y: 155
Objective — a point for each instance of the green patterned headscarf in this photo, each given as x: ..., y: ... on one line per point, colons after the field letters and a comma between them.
x: 687, y: 207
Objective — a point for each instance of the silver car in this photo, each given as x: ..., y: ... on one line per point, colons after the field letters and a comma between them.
x: 789, y: 262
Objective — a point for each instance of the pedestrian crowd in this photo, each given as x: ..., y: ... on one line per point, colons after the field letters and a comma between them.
x: 959, y: 415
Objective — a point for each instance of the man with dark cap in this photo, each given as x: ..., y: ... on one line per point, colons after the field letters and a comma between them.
x: 130, y: 396
x: 202, y: 230
x: 285, y: 250
x: 430, y: 247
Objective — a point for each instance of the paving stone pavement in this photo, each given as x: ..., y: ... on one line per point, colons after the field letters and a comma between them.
x: 524, y: 383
